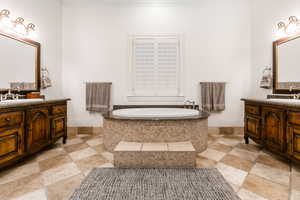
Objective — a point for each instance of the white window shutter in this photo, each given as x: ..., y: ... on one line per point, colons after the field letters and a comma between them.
x: 156, y: 66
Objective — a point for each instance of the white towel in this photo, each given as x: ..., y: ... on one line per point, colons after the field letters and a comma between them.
x: 266, y: 81
x: 46, y: 81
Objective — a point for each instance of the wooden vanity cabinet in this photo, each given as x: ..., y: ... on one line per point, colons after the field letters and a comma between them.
x: 273, y: 128
x: 38, y: 129
x: 277, y: 127
x: 27, y: 129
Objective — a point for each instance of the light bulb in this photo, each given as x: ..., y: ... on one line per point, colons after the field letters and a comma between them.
x: 20, y: 28
x: 6, y: 22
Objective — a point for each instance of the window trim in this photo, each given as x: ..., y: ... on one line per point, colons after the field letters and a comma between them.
x: 138, y: 98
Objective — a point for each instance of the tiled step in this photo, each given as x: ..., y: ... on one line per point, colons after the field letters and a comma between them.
x: 155, y: 155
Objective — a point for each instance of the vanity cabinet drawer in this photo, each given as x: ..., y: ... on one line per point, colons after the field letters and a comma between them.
x: 294, y: 117
x: 61, y: 109
x: 252, y: 109
x: 11, y: 119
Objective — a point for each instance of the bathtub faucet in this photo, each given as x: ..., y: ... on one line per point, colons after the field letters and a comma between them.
x: 189, y: 103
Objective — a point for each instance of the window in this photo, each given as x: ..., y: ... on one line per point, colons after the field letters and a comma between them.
x: 156, y: 66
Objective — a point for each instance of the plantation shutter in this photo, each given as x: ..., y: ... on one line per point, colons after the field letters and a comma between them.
x: 156, y: 66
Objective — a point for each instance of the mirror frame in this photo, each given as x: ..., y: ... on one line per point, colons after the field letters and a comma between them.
x: 276, y: 44
x: 37, y: 60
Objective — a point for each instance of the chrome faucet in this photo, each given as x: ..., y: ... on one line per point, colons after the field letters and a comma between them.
x: 296, y: 96
x: 188, y: 103
x: 8, y: 96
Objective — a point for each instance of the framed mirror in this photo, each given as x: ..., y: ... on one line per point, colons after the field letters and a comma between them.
x: 19, y: 64
x: 286, y: 65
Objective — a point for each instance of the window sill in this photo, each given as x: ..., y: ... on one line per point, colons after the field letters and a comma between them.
x: 155, y: 98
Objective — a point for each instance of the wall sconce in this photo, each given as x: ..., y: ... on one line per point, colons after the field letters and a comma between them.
x: 17, y: 25
x: 5, y: 19
x: 289, y: 29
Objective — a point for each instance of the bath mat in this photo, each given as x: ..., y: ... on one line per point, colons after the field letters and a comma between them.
x: 154, y: 184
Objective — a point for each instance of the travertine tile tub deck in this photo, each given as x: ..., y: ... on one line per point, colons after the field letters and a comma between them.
x: 156, y: 131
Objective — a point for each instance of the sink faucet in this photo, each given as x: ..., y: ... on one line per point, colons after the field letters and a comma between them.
x: 8, y: 96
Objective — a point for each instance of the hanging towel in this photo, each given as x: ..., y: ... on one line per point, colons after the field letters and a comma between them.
x: 266, y: 81
x: 213, y: 96
x: 45, y: 79
x: 98, y: 97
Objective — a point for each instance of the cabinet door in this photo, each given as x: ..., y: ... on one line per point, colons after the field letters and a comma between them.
x: 38, y: 129
x: 274, y: 129
x: 252, y: 127
x: 58, y: 127
x: 293, y: 138
x: 11, y: 144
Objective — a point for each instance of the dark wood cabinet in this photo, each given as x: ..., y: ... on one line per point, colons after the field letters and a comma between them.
x: 273, y: 122
x: 27, y: 129
x: 275, y: 126
x: 253, y: 126
x: 293, y: 141
x: 38, y: 133
x: 11, y: 144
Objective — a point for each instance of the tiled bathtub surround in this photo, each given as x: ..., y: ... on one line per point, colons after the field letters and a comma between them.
x: 155, y: 155
x: 166, y: 131
x: 32, y: 178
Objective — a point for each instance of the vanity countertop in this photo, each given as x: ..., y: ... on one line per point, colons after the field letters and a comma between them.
x: 22, y: 103
x: 280, y: 102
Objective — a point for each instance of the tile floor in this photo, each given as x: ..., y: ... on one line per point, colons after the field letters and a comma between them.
x: 254, y: 173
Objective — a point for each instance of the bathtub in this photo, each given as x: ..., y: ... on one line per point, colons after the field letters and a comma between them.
x: 156, y: 125
x: 155, y: 113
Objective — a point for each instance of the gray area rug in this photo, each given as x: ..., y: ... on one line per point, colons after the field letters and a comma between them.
x: 154, y: 184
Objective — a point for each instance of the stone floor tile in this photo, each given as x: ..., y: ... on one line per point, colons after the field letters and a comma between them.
x: 227, y: 141
x: 212, y: 154
x: 76, y: 140
x: 247, y: 195
x: 54, y: 162
x: 249, y: 147
x: 50, y: 154
x: 247, y: 155
x: 89, y: 163
x: 36, y: 195
x: 274, y: 162
x: 238, y: 162
x: 295, y: 195
x: 21, y: 186
x: 19, y: 171
x: 231, y: 174
x: 62, y: 190
x: 60, y: 173
x: 76, y: 147
x: 108, y: 156
x: 266, y: 188
x: 100, y: 148
x: 271, y: 174
x: 295, y: 181
x: 78, y: 155
x: 221, y: 147
x: 202, y: 162
x: 95, y: 142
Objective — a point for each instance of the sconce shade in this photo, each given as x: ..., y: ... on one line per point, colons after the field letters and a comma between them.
x: 5, y: 19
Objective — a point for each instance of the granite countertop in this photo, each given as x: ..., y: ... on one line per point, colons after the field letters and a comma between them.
x: 31, y: 102
x: 276, y: 101
x: 202, y: 115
